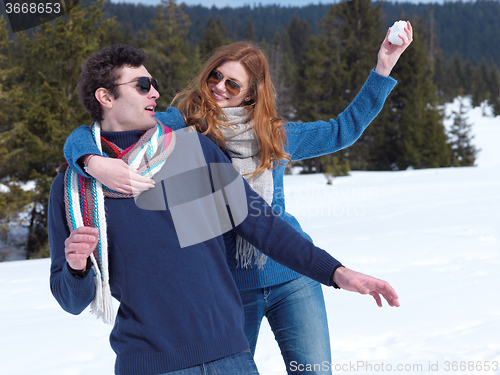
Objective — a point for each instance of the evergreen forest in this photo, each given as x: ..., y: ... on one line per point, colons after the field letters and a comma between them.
x: 319, y: 57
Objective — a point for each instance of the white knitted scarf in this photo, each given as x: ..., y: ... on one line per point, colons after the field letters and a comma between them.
x: 243, y: 149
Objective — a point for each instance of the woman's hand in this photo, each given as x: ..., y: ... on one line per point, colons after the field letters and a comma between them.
x: 118, y: 175
x: 389, y: 54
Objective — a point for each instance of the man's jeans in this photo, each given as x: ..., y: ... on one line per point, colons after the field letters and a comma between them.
x: 296, y: 313
x: 237, y: 364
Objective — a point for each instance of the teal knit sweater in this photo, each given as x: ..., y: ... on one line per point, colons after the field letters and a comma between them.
x: 305, y: 140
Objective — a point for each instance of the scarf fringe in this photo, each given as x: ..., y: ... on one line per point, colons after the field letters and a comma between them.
x: 247, y: 254
x: 243, y: 149
x: 102, y: 305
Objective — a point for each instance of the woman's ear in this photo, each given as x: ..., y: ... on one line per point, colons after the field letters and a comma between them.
x: 104, y: 97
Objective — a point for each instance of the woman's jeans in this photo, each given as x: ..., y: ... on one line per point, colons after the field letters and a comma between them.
x: 296, y: 313
x: 237, y: 364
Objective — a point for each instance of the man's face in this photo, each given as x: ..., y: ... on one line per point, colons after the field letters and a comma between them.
x: 133, y: 109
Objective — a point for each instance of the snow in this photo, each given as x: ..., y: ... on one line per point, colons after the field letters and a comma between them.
x: 433, y: 234
x: 397, y: 28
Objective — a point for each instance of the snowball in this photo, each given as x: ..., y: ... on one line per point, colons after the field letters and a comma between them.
x: 397, y: 28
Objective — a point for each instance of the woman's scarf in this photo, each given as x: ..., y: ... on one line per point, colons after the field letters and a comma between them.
x: 84, y: 200
x: 243, y: 149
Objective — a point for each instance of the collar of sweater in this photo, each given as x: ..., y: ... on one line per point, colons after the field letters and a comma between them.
x: 123, y: 139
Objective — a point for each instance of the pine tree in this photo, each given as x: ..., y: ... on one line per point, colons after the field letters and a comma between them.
x: 480, y: 91
x: 48, y: 107
x: 469, y: 72
x: 13, y: 199
x: 360, y: 34
x: 494, y: 88
x: 455, y: 80
x: 9, y: 90
x: 282, y: 72
x: 215, y: 36
x: 334, y: 67
x: 299, y: 33
x: 463, y: 153
x: 249, y: 32
x: 417, y: 137
x: 171, y: 58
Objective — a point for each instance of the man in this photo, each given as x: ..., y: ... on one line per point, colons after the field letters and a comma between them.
x: 179, y: 306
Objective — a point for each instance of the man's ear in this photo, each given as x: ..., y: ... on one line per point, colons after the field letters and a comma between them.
x: 104, y: 97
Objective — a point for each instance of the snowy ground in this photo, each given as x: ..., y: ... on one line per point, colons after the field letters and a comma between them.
x: 433, y: 234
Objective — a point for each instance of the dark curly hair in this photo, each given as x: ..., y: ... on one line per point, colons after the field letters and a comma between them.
x: 102, y: 70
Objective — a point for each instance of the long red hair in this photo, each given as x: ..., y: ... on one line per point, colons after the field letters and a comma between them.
x: 200, y: 109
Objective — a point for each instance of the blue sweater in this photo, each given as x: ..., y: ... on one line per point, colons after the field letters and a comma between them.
x: 179, y: 307
x: 305, y: 140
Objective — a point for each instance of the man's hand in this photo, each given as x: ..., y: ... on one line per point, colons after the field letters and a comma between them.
x: 118, y: 175
x: 79, y: 245
x: 357, y: 282
x: 389, y: 54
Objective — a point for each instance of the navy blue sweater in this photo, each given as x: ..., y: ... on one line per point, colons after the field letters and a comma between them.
x: 179, y: 307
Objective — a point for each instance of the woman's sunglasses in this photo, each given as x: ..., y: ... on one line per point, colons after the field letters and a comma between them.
x: 145, y: 83
x: 232, y: 87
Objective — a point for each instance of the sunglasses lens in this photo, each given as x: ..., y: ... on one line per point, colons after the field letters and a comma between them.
x: 214, y: 77
x: 155, y: 84
x: 144, y: 84
x: 232, y: 87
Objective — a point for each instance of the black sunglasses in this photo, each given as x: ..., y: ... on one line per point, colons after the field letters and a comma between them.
x: 145, y: 83
x: 232, y: 87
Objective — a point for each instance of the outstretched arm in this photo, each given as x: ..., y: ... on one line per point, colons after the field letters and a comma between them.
x: 357, y: 282
x: 389, y: 54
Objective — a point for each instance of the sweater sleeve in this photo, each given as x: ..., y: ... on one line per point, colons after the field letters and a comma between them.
x: 307, y: 140
x: 73, y: 293
x: 267, y: 231
x: 81, y: 142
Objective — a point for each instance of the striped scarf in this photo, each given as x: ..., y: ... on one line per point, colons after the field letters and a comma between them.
x: 84, y: 200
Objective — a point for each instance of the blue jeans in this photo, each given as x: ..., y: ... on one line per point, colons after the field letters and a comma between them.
x: 296, y: 313
x: 237, y: 364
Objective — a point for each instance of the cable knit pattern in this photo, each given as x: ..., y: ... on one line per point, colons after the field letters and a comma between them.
x: 305, y: 140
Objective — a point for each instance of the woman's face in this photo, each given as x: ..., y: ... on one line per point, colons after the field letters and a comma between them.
x: 224, y: 81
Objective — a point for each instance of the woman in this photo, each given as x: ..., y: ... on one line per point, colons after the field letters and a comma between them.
x: 232, y: 102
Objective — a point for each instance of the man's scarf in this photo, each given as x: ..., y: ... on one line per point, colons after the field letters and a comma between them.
x: 84, y: 200
x: 243, y: 149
